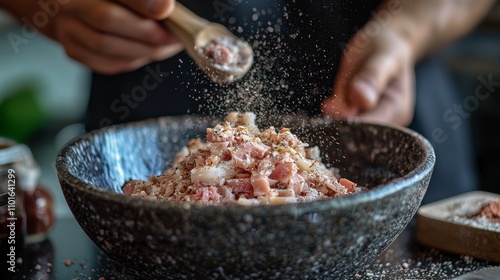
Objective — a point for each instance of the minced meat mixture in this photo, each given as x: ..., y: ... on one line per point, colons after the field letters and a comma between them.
x: 238, y: 163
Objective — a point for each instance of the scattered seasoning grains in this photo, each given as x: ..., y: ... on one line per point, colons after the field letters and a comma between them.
x: 38, y: 267
x: 69, y: 262
x: 469, y: 214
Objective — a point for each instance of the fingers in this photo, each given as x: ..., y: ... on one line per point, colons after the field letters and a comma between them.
x: 101, y: 63
x: 114, y: 46
x: 339, y: 104
x: 108, y: 54
x: 396, y: 104
x: 112, y: 18
x: 367, y: 86
x: 154, y: 9
x: 367, y: 75
x: 110, y: 38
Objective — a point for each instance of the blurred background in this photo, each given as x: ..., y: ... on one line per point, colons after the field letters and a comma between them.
x: 43, y: 96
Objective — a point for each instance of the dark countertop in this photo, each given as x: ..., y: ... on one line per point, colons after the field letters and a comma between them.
x: 404, y: 259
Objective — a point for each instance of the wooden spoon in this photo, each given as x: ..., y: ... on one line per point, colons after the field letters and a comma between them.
x: 218, y: 52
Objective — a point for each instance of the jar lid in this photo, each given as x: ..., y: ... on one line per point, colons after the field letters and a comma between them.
x: 28, y: 174
x: 11, y: 152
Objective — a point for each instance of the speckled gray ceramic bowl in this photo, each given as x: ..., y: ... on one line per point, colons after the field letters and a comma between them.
x: 329, y: 239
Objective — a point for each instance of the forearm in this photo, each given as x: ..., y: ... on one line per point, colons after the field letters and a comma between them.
x: 428, y: 25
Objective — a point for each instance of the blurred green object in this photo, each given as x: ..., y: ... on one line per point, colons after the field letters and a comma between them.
x: 21, y: 114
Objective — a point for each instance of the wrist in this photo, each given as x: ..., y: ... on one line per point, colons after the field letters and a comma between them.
x: 410, y: 23
x: 411, y: 34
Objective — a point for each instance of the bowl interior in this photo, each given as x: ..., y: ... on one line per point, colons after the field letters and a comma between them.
x: 369, y: 154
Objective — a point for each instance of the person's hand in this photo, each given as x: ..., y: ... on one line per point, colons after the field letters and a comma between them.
x: 112, y: 37
x: 375, y: 81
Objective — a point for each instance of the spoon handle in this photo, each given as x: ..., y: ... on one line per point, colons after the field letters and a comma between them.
x: 184, y: 23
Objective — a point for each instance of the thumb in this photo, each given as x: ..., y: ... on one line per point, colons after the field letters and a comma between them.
x: 368, y: 85
x: 337, y: 105
x: 154, y: 9
x: 363, y: 92
x: 359, y: 90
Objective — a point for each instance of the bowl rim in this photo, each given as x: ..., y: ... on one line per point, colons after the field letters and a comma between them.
x: 422, y: 170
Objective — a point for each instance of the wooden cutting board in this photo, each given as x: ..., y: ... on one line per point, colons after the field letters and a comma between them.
x: 444, y: 225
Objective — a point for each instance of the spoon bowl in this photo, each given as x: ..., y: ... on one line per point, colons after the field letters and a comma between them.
x: 197, y: 34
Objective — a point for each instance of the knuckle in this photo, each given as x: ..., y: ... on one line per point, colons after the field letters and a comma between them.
x: 162, y: 9
x: 103, y: 18
x: 71, y: 50
x: 62, y: 37
x: 170, y: 7
x: 72, y: 53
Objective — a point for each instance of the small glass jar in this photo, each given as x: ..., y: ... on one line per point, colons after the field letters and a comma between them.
x: 12, y: 210
x: 38, y: 203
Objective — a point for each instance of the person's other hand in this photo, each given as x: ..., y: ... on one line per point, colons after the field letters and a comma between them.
x: 113, y: 37
x: 375, y: 81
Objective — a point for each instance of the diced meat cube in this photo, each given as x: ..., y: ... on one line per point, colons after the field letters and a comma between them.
x: 129, y: 187
x: 348, y: 184
x: 240, y: 185
x: 260, y: 185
